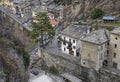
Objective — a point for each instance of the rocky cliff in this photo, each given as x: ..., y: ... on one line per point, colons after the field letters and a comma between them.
x: 13, y: 58
x: 11, y: 65
x: 83, y: 8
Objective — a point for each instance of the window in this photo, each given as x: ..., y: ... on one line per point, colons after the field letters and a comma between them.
x: 105, y: 63
x: 108, y: 43
x: 114, y: 55
x: 73, y: 47
x: 70, y: 40
x: 107, y: 51
x: 64, y: 49
x: 64, y: 42
x: 73, y: 41
x: 64, y: 38
x: 116, y: 38
x: 84, y: 63
x: 115, y: 45
x: 114, y: 65
x: 77, y: 53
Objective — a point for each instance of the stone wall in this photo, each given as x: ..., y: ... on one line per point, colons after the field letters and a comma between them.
x: 64, y: 64
x: 108, y: 76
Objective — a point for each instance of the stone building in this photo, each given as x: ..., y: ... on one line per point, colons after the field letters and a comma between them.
x: 114, y: 48
x: 37, y: 9
x: 23, y: 9
x: 71, y: 39
x: 94, y: 49
x: 45, y: 3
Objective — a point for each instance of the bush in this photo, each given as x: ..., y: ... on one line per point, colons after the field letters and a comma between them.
x: 96, y: 13
x: 54, y: 70
x: 25, y: 56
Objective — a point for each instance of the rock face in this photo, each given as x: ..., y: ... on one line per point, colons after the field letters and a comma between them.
x: 11, y: 65
x: 83, y: 8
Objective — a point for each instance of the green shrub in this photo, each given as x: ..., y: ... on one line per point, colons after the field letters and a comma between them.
x: 54, y: 70
x: 96, y: 13
x: 25, y: 55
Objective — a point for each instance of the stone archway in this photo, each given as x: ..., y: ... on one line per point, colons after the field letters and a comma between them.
x: 105, y: 63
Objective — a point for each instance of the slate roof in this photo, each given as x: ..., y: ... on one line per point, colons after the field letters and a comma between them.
x: 75, y: 31
x: 116, y: 31
x: 97, y: 37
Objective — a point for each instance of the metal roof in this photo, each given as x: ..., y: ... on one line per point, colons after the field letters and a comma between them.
x: 108, y: 17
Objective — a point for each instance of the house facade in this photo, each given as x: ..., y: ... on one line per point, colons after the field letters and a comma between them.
x: 94, y: 49
x: 71, y: 39
x: 114, y: 48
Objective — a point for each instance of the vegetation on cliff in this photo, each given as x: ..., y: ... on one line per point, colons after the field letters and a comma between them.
x: 11, y: 62
x: 82, y: 9
x: 25, y: 55
x: 97, y: 13
x: 54, y: 70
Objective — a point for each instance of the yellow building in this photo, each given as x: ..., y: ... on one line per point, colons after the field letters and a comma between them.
x: 115, y: 48
x: 94, y: 49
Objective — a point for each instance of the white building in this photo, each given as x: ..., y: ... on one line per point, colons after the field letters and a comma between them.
x: 71, y: 39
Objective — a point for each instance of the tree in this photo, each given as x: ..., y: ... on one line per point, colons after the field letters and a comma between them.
x: 96, y: 13
x: 42, y: 30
